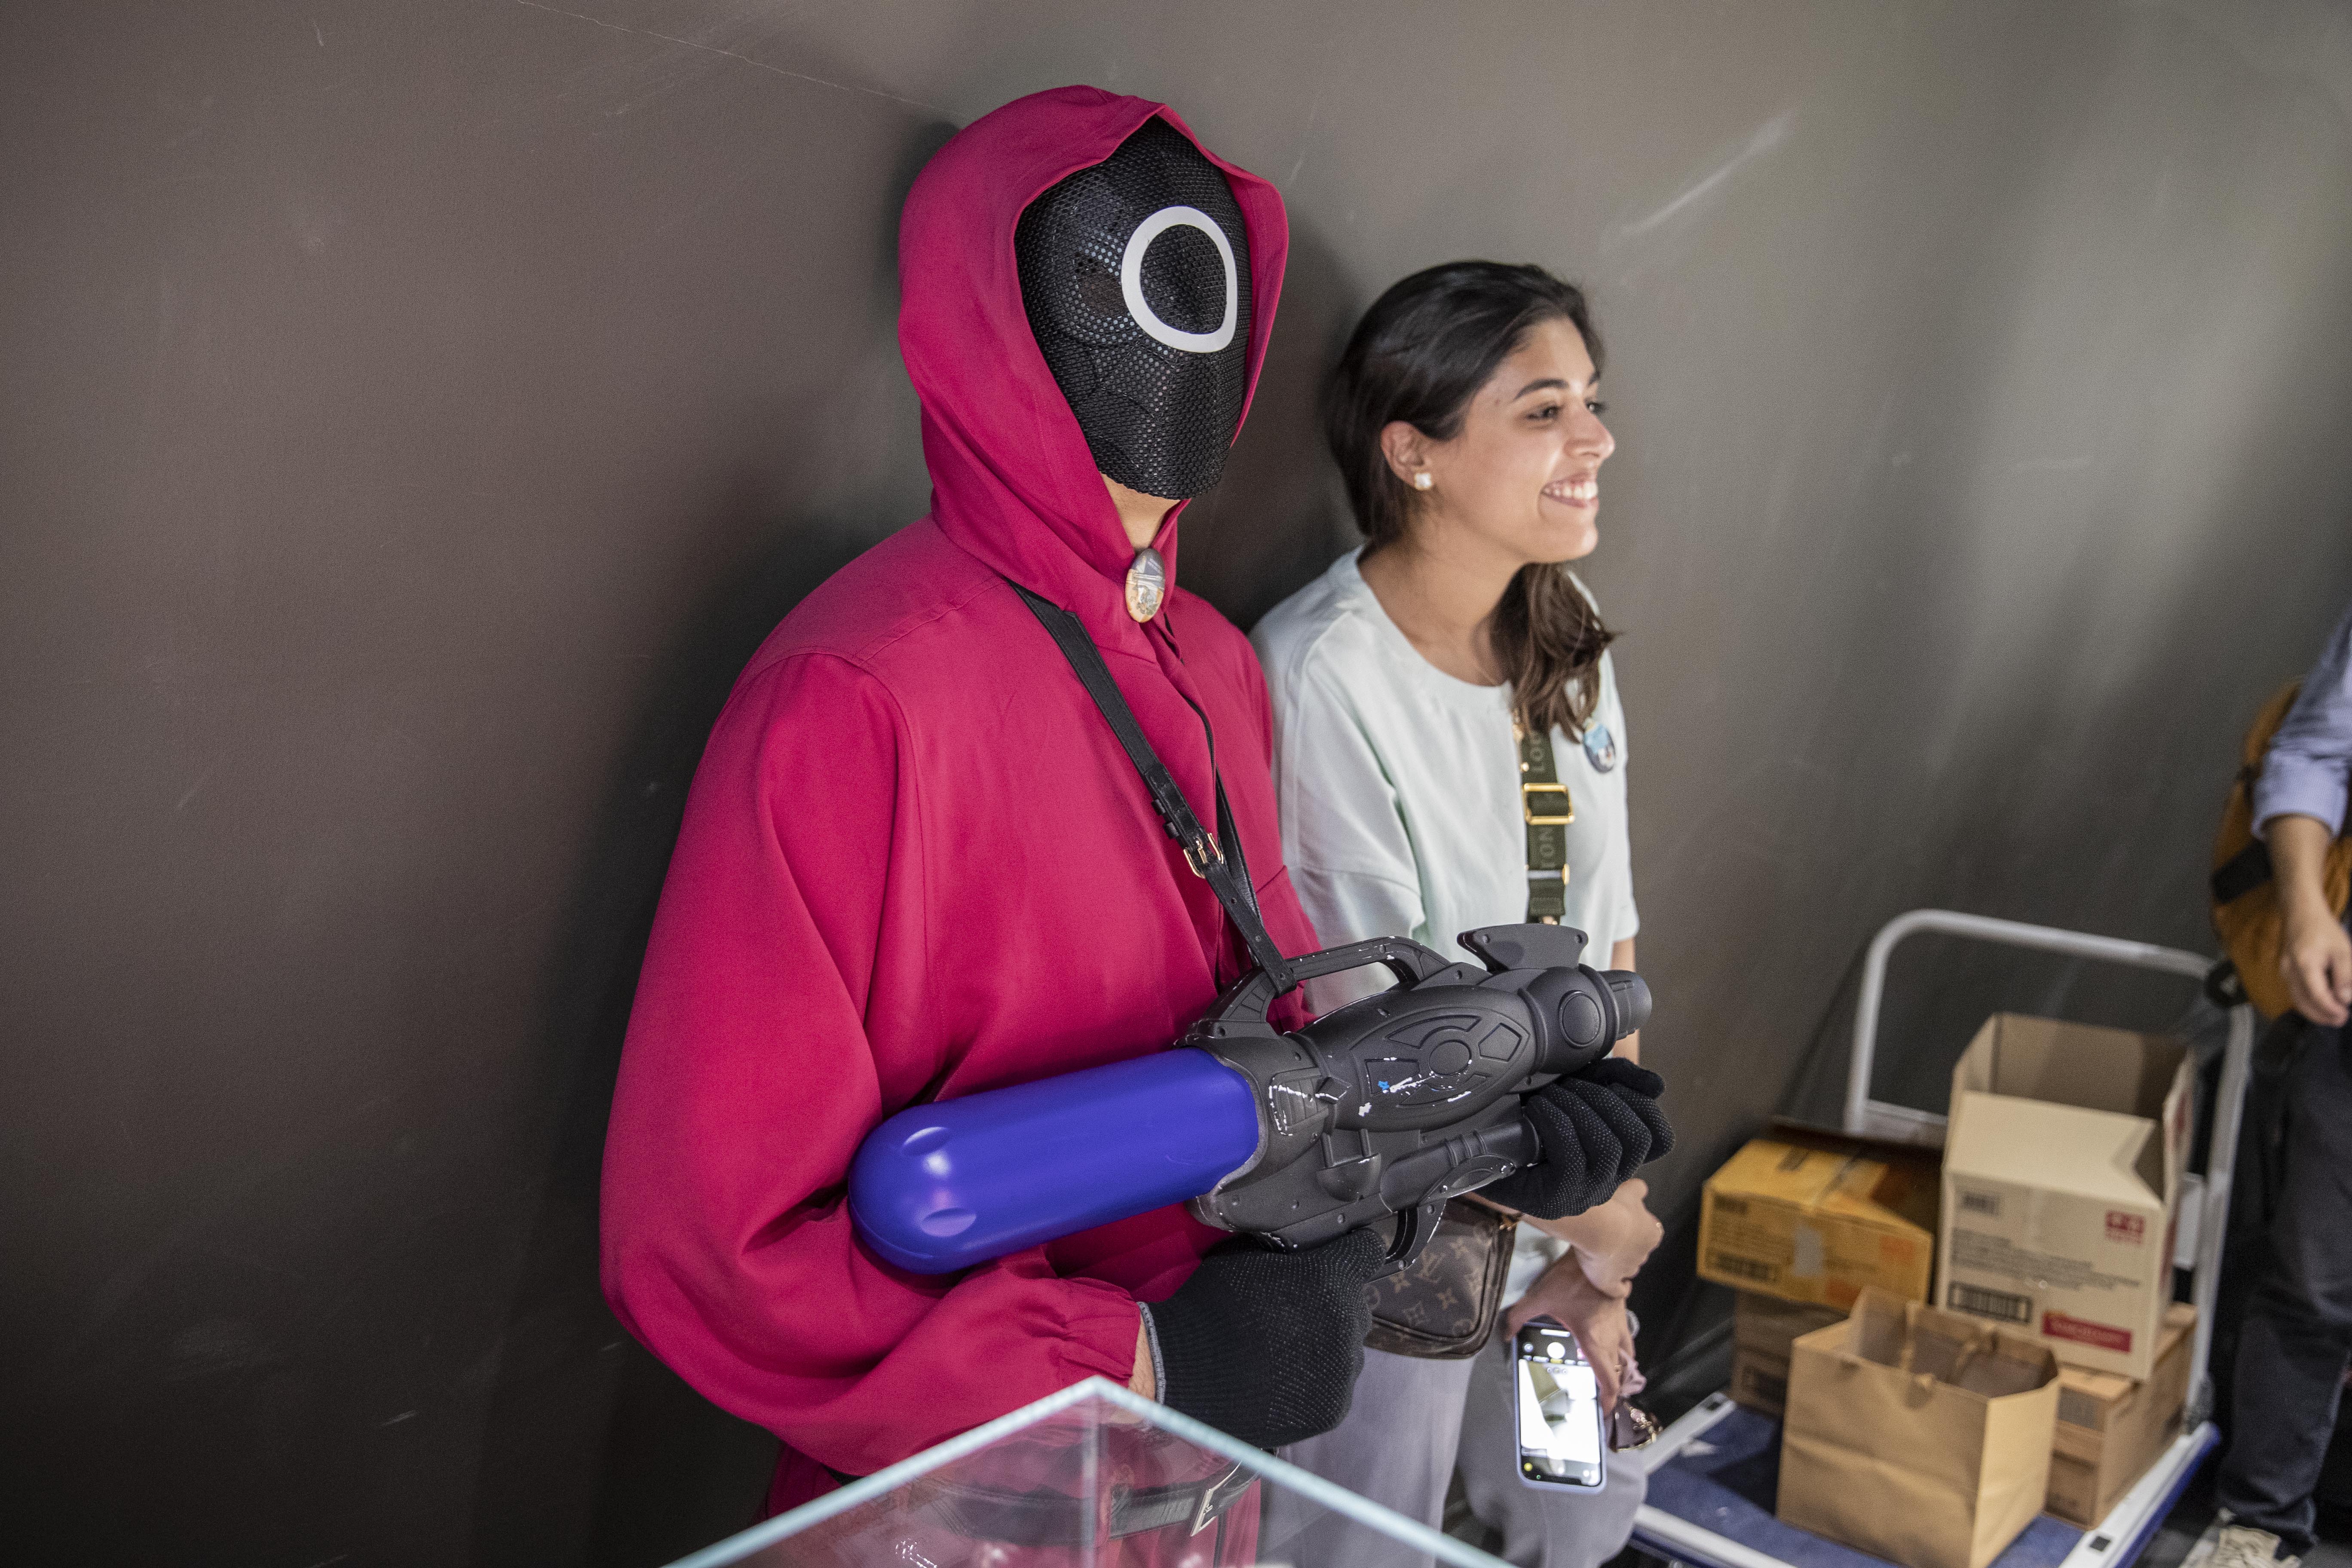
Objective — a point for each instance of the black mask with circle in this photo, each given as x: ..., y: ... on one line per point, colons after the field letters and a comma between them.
x: 1144, y: 316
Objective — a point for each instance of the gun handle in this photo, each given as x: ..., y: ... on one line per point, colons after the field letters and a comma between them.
x: 1249, y: 998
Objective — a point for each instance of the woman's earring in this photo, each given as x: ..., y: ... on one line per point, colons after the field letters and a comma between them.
x: 1422, y: 480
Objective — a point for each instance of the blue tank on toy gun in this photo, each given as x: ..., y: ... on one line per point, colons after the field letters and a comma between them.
x: 1374, y: 1114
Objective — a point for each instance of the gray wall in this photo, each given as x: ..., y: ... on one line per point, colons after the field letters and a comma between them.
x: 411, y: 415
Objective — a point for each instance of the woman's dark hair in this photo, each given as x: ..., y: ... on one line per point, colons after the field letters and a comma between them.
x: 1420, y: 354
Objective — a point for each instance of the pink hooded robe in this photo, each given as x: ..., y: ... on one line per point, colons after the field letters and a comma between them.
x: 915, y: 863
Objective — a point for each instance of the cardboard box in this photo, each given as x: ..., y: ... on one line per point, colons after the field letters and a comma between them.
x: 1820, y: 1219
x: 2061, y: 1179
x: 1919, y: 1436
x: 1760, y: 1380
x: 2111, y: 1430
x: 1763, y: 1328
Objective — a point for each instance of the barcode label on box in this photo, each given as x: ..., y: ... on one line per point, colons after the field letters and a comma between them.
x: 1998, y: 1304
x: 1987, y: 1204
x: 1746, y: 1267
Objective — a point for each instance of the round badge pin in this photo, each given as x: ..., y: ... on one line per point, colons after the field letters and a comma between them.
x: 1599, y: 747
x: 1147, y: 584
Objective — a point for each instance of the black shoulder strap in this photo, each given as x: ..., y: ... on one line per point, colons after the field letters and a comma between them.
x: 1225, y: 870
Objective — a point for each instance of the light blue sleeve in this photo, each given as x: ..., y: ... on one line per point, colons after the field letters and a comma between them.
x: 1350, y: 907
x: 2309, y: 767
x: 1343, y: 838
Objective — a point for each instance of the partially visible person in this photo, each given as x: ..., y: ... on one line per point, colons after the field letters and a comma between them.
x: 1450, y: 753
x: 2295, y: 1343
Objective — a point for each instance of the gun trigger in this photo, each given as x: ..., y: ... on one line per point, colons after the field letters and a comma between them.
x: 1415, y: 1226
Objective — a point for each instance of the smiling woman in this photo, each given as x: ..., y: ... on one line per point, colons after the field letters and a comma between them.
x: 1450, y: 753
x: 1466, y: 422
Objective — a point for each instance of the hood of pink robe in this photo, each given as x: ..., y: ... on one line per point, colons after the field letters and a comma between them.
x: 1012, y: 480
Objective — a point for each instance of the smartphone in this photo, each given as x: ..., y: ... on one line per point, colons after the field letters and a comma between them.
x: 1562, y: 1434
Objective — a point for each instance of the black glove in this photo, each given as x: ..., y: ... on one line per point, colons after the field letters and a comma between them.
x: 1265, y: 1345
x: 1597, y: 1127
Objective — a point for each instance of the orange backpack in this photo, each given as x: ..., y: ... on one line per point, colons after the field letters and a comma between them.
x: 2246, y: 912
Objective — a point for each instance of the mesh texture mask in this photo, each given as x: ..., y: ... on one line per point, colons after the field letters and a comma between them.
x: 1156, y: 389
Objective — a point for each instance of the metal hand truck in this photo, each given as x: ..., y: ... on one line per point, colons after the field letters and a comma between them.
x: 1706, y: 1469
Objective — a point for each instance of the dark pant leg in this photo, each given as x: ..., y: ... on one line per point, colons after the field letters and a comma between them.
x: 2297, y: 1336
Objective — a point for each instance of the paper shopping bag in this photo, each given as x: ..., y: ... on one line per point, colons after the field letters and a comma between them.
x: 1917, y: 1435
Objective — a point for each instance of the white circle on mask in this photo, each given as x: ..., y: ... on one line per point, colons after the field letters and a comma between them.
x: 1131, y: 281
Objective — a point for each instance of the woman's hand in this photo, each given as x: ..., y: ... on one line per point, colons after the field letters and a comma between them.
x: 1596, y: 1318
x: 1612, y: 1240
x: 1633, y: 1233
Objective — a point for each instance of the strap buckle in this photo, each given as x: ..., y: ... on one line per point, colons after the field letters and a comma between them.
x: 1220, y: 1495
x: 1227, y: 875
x: 1565, y: 814
x: 1203, y: 855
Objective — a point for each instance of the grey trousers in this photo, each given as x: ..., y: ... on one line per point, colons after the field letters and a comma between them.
x: 1412, y: 1423
x: 2297, y: 1339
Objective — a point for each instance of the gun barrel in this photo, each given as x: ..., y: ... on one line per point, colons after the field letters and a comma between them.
x: 1632, y: 996
x: 945, y: 1185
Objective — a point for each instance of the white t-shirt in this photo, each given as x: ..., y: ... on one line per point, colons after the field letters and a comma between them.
x: 1399, y: 789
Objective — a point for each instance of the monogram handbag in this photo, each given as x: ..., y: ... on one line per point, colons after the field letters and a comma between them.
x: 1445, y: 1306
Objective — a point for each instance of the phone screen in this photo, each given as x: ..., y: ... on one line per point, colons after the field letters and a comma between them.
x: 1560, y: 1409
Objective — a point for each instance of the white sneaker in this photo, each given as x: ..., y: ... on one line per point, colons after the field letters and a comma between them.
x: 2243, y: 1546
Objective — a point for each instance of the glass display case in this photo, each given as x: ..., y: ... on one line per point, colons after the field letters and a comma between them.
x: 1093, y: 1477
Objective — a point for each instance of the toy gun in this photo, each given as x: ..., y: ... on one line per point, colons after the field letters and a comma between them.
x: 1376, y: 1113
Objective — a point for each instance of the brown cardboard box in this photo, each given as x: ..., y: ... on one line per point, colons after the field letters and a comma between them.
x: 1763, y: 1328
x: 1760, y: 1380
x: 2062, y: 1180
x: 1819, y: 1219
x: 2111, y: 1430
x: 1919, y: 1436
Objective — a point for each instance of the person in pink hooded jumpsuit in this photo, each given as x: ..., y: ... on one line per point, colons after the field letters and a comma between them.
x: 916, y: 864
